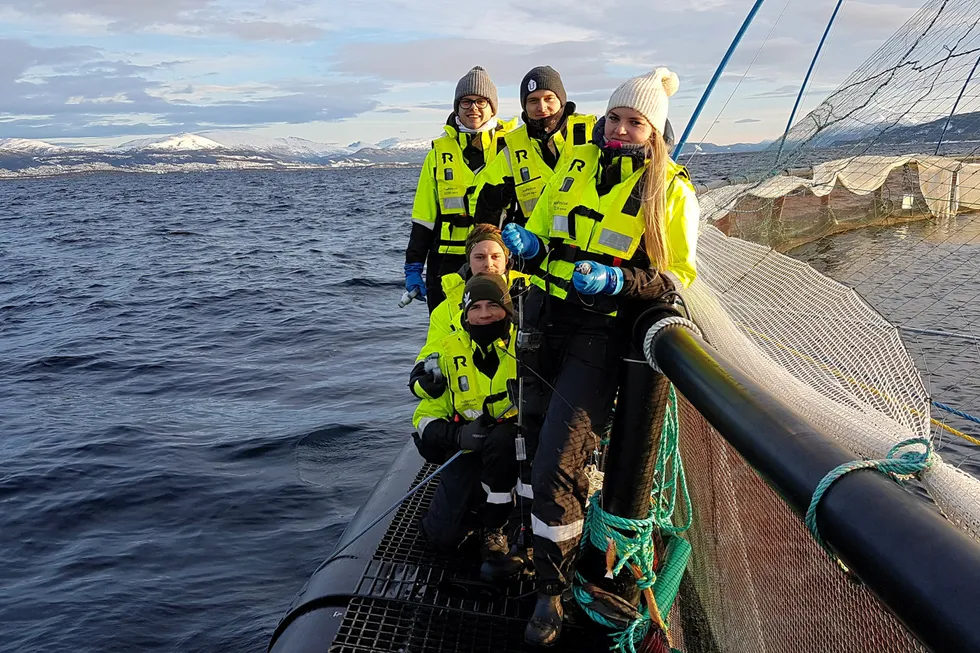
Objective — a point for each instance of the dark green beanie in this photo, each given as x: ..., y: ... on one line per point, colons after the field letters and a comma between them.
x: 487, y: 286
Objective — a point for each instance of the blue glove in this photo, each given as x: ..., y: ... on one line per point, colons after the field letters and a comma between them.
x: 520, y: 241
x: 591, y: 278
x: 413, y: 278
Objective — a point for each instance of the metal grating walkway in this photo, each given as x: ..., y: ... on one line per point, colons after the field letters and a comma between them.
x: 411, y: 599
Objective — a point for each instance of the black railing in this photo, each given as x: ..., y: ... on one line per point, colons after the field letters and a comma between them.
x: 921, y: 567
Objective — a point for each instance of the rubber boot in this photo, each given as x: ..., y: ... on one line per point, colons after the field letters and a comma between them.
x: 544, y: 628
x: 500, y: 563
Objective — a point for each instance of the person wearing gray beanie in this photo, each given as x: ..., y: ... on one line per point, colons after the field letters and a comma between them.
x: 443, y: 207
x: 476, y: 83
x: 612, y: 234
x: 514, y: 181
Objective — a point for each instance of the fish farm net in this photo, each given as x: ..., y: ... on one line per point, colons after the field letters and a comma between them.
x: 857, y: 351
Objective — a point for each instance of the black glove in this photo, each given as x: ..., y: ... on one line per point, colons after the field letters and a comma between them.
x: 492, y: 202
x: 438, y: 440
x: 432, y: 452
x: 472, y: 436
x: 428, y: 377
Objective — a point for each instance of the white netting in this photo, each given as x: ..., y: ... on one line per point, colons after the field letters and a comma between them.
x: 821, y: 348
x: 880, y: 188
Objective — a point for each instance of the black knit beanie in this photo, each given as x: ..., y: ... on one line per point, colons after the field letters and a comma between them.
x: 487, y: 286
x: 542, y: 78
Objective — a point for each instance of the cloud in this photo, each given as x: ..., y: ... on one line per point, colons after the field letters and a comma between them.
x: 787, y: 90
x: 413, y: 61
x: 85, y: 94
x: 439, y: 106
x: 175, y: 17
x: 264, y: 30
x: 398, y: 58
x: 746, y: 120
x: 122, y: 11
x: 865, y: 18
x: 16, y: 57
x: 507, y: 21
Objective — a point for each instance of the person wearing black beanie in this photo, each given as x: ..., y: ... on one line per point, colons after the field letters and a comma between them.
x: 512, y: 183
x: 466, y: 405
x: 544, y: 102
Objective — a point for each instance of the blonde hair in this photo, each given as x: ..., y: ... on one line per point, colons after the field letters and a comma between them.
x: 654, y: 201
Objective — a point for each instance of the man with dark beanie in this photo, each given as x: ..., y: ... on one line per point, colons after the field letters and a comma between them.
x: 467, y: 406
x: 485, y: 252
x: 442, y: 211
x: 512, y: 183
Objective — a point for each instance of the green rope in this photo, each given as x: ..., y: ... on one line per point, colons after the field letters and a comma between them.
x: 908, y: 463
x: 633, y: 538
x: 668, y: 473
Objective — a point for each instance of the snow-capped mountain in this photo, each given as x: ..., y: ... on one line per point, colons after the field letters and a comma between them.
x: 407, y: 144
x: 178, y: 143
x: 29, y: 146
x: 284, y: 146
x: 210, y: 150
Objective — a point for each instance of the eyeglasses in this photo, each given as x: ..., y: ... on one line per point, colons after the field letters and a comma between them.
x: 480, y: 103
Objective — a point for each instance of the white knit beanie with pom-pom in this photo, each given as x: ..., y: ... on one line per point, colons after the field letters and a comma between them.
x: 648, y: 95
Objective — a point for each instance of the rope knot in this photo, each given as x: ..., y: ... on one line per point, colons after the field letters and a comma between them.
x: 903, y: 464
x: 910, y: 462
x: 629, y: 542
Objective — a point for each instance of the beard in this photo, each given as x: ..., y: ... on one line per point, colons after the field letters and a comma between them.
x: 543, y: 128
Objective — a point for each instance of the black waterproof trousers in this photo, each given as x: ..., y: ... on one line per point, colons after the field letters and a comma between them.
x: 475, y: 490
x: 580, y: 354
x: 435, y: 267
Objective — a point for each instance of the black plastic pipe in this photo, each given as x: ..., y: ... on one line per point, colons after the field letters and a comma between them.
x: 922, y: 568
x: 629, y: 466
x: 632, y: 454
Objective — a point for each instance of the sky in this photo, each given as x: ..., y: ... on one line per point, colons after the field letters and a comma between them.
x: 100, y: 72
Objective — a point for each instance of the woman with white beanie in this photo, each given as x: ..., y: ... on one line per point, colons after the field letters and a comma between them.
x: 612, y: 233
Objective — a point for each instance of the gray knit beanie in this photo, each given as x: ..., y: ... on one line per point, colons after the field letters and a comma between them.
x: 476, y: 82
x: 648, y: 95
x: 542, y: 78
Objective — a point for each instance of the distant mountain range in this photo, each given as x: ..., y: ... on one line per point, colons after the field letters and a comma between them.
x: 962, y: 134
x: 711, y: 148
x: 223, y: 150
x: 962, y: 128
x: 213, y: 150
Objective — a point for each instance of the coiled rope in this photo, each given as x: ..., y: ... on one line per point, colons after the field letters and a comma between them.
x: 629, y: 542
x: 905, y: 464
